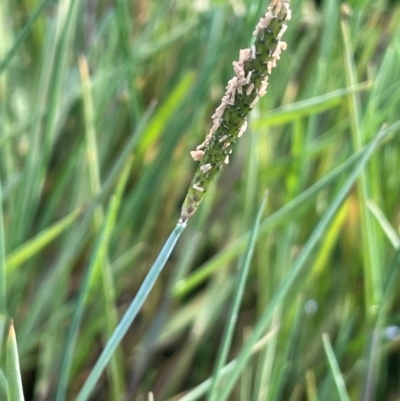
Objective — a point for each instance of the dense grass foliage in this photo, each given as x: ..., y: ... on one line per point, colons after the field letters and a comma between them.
x: 100, y: 104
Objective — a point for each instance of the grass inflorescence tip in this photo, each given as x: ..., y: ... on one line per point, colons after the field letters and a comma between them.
x: 229, y: 122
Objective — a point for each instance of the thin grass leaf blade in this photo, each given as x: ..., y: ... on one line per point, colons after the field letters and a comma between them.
x: 14, y: 380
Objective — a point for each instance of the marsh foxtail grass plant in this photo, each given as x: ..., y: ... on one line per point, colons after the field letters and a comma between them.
x: 250, y: 83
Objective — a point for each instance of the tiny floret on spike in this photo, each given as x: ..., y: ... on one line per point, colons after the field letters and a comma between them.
x: 282, y: 31
x: 263, y: 88
x: 247, y: 80
x: 253, y: 52
x: 255, y: 100
x: 249, y: 89
x: 242, y: 129
x: 197, y: 155
x: 205, y: 167
x: 198, y: 187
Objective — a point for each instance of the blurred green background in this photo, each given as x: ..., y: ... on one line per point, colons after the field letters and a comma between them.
x: 92, y: 88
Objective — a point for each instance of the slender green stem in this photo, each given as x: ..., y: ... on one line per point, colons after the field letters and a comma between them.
x: 293, y: 274
x: 337, y: 375
x: 239, y: 290
x: 130, y: 314
x: 23, y: 34
x: 97, y: 258
x: 3, y: 304
x: 14, y: 380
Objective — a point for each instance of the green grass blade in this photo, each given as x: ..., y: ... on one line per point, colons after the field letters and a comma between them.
x: 23, y: 34
x: 311, y: 386
x: 198, y: 392
x: 390, y: 288
x: 372, y: 260
x: 40, y: 241
x: 98, y: 255
x: 238, y: 295
x: 125, y: 27
x: 201, y: 389
x: 128, y: 148
x: 15, y: 390
x: 35, y: 168
x: 297, y: 267
x: 384, y: 223
x: 337, y: 375
x: 3, y: 298
x: 93, y: 164
x: 169, y: 108
x: 130, y: 314
x: 314, y: 105
x: 92, y: 159
x: 3, y: 385
x: 2, y: 331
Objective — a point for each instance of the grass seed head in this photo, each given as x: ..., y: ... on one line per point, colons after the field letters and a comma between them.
x: 229, y: 120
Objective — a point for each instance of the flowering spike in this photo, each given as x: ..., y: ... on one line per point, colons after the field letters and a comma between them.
x: 241, y: 93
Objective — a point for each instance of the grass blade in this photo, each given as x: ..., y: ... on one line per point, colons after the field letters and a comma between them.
x: 372, y: 260
x: 15, y: 390
x: 295, y: 270
x: 3, y: 305
x: 238, y: 295
x: 337, y: 375
x: 40, y: 241
x: 203, y: 387
x: 98, y: 255
x: 130, y: 314
x: 385, y: 225
x: 317, y: 104
x: 23, y: 34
